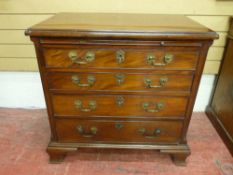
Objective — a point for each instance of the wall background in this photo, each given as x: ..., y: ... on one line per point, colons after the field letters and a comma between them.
x: 17, y: 52
x: 23, y: 89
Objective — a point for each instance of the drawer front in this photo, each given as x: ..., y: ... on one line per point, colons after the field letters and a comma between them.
x: 114, y: 105
x: 119, y: 81
x: 71, y: 130
x: 182, y: 58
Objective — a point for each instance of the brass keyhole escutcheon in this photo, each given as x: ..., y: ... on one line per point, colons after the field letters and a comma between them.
x: 118, y: 125
x: 120, y: 56
x: 120, y: 101
x: 120, y: 78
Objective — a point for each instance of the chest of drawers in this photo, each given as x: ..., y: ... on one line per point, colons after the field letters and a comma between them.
x: 120, y: 80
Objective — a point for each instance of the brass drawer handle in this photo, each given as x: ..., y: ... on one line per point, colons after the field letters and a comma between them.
x: 162, y: 82
x: 120, y: 56
x: 81, y: 131
x: 89, y: 57
x: 151, y: 60
x: 153, y: 135
x: 90, y: 81
x: 158, y: 107
x: 92, y: 106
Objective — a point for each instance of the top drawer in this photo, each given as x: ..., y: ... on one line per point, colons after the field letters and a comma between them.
x: 107, y: 57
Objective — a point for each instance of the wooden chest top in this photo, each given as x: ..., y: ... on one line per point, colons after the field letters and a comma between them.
x: 109, y: 25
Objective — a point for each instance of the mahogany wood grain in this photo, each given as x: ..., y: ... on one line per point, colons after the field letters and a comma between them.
x: 47, y: 41
x: 45, y: 89
x: 109, y: 25
x: 107, y: 131
x: 195, y: 86
x: 184, y: 58
x: 109, y: 81
x: 64, y: 105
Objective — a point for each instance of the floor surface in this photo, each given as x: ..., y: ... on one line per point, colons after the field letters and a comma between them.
x: 24, y: 135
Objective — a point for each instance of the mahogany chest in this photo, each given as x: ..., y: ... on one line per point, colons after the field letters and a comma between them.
x: 120, y: 80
